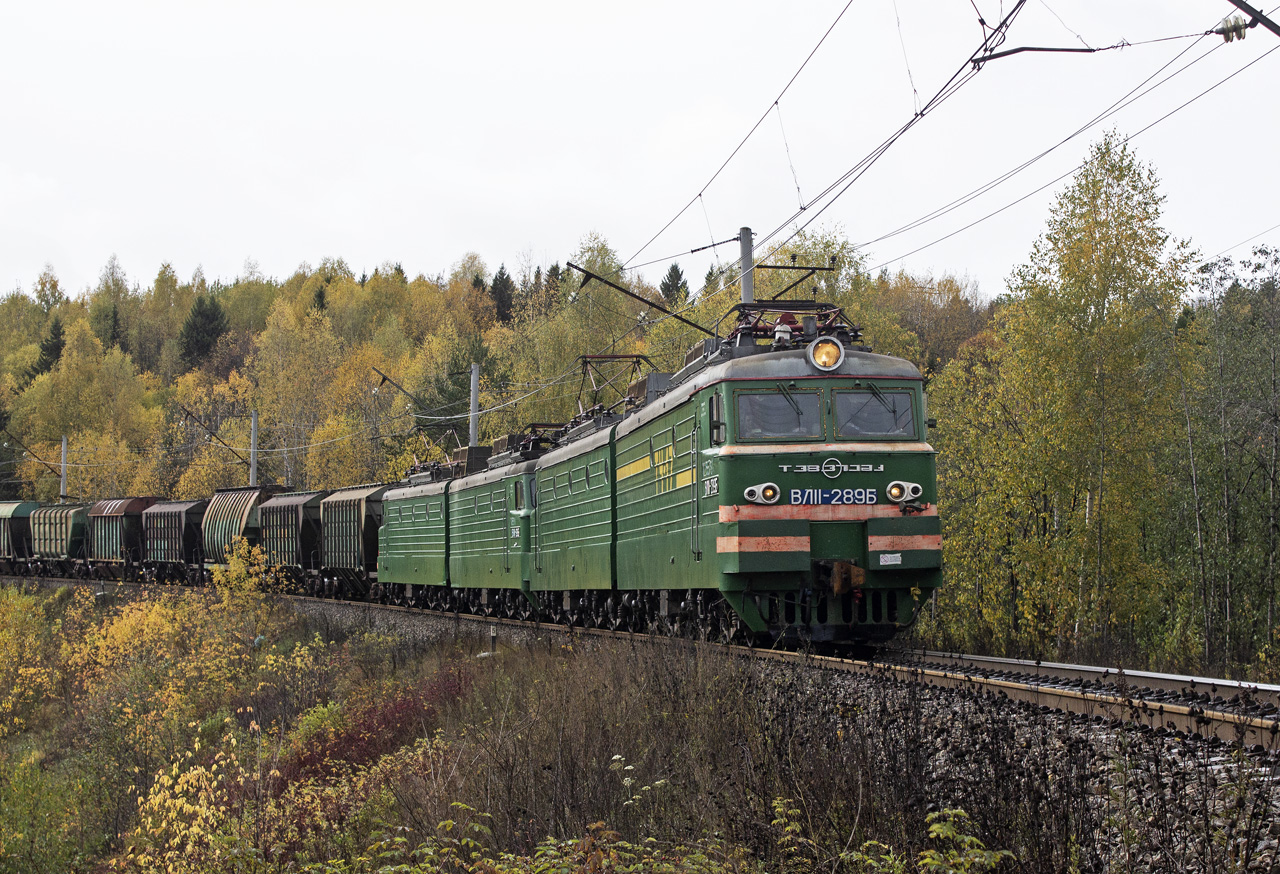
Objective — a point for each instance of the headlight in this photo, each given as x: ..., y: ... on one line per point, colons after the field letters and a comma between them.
x: 825, y: 354
x: 900, y: 491
x: 765, y: 493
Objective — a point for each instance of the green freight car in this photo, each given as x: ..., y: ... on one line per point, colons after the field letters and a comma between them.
x: 173, y: 541
x: 116, y: 538
x: 15, y: 535
x: 290, y: 531
x: 232, y: 515
x: 349, y: 519
x: 59, y: 534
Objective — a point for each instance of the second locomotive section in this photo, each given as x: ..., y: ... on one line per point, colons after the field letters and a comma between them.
x: 770, y: 494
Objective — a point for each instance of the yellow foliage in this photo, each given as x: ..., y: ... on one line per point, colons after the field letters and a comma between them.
x: 207, y: 817
x: 295, y: 366
x: 27, y: 676
x: 224, y: 408
x: 89, y: 390
x: 179, y: 819
x: 350, y: 446
x: 339, y: 454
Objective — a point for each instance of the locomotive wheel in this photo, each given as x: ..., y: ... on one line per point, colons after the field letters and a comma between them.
x: 584, y: 612
x: 732, y: 630
x: 524, y: 609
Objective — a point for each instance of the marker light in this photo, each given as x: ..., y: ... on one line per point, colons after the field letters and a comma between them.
x: 825, y: 354
x: 900, y: 491
x: 765, y: 493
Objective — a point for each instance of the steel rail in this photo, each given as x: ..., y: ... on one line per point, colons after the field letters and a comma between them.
x: 1188, y: 685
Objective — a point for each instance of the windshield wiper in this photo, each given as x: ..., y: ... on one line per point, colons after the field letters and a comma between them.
x: 884, y: 402
x: 786, y: 394
x: 879, y: 395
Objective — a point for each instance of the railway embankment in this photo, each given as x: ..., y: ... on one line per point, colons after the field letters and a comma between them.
x: 305, y: 732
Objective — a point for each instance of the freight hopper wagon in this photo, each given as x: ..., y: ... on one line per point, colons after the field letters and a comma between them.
x: 779, y: 486
x: 116, y: 538
x: 232, y: 514
x: 15, y: 535
x: 291, y: 536
x: 59, y: 535
x: 174, y: 541
x: 350, y: 519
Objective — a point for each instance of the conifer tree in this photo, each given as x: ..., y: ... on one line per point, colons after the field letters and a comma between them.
x: 50, y: 350
x: 111, y: 328
x: 503, y: 292
x: 205, y: 324
x: 674, y: 288
x: 711, y: 282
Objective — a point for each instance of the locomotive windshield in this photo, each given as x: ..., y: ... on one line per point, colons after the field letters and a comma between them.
x: 779, y: 414
x: 874, y: 413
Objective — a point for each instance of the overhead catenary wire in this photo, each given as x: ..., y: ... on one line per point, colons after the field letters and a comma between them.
x: 1052, y: 182
x: 1244, y: 242
x: 787, y: 146
x: 751, y: 132
x: 993, y: 39
x: 906, y: 60
x: 1069, y: 30
x: 1121, y: 103
x: 790, y: 221
x: 1075, y: 169
x: 941, y: 210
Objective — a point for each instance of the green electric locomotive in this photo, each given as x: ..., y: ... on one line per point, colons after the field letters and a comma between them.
x: 779, y: 486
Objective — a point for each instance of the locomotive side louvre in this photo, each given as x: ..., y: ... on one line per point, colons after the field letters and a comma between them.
x: 15, y: 534
x: 663, y: 520
x: 414, y: 538
x: 479, y: 525
x: 574, y: 528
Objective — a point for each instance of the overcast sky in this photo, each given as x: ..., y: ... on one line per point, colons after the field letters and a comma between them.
x: 207, y: 134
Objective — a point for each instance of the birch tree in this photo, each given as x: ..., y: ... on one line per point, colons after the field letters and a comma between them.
x: 1084, y: 374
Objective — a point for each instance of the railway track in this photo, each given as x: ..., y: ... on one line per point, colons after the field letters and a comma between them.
x: 1230, y: 710
x: 1236, y: 712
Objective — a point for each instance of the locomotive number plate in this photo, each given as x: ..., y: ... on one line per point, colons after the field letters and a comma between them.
x: 833, y: 496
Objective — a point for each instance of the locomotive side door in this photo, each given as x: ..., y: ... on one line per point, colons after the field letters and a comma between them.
x: 520, y: 522
x: 708, y: 431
